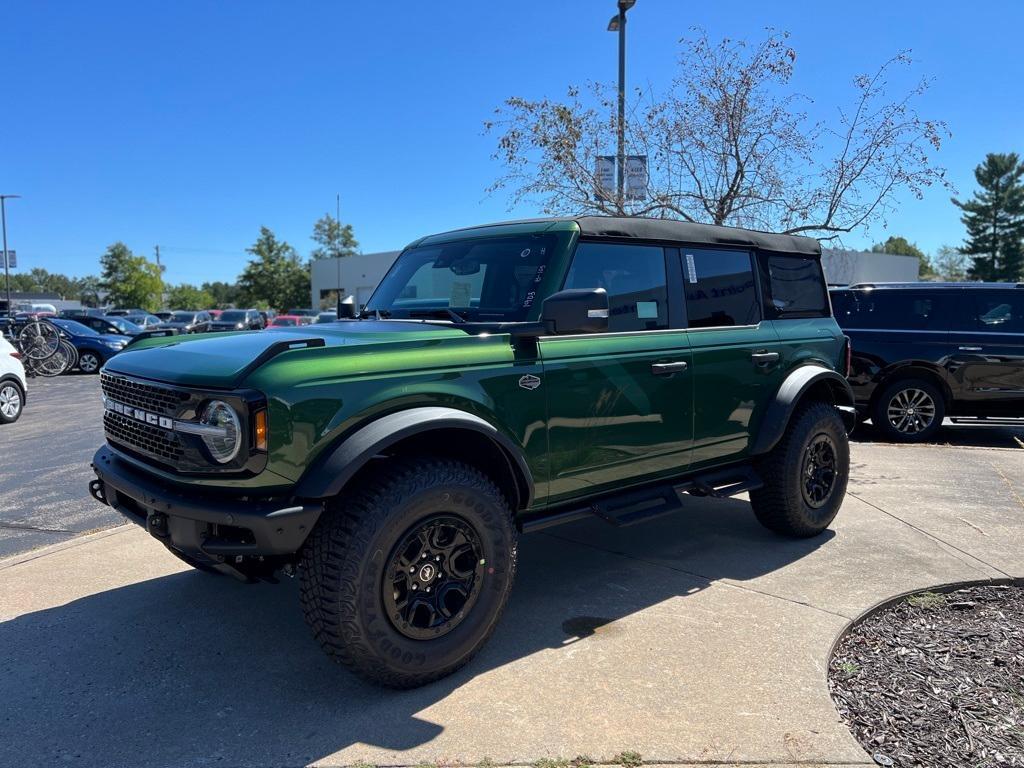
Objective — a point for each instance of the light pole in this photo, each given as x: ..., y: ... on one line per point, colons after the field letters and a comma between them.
x: 7, y: 268
x: 618, y: 24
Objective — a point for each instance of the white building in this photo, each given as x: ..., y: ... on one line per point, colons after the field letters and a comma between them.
x: 358, y: 275
x: 355, y: 275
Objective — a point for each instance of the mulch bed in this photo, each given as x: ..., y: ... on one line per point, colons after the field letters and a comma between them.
x: 937, y: 680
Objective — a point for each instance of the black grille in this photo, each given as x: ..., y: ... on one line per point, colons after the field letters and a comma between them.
x: 149, y: 397
x: 154, y: 441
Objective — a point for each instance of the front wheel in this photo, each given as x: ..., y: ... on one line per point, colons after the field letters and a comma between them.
x: 11, y: 401
x: 805, y: 475
x: 89, y: 362
x: 404, y: 579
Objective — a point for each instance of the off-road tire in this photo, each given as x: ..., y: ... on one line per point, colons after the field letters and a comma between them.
x: 346, y: 556
x: 908, y: 387
x: 780, y: 504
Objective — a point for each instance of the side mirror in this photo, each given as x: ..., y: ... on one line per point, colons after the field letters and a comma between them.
x: 576, y: 310
x: 347, y: 308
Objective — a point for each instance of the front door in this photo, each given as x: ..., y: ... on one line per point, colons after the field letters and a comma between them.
x: 987, y: 356
x: 620, y: 404
x: 737, y: 355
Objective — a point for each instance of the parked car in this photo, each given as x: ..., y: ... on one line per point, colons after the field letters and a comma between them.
x: 303, y: 312
x: 546, y: 371
x: 77, y: 312
x: 290, y: 321
x: 144, y: 320
x: 327, y: 317
x: 164, y: 315
x: 116, y: 312
x: 94, y: 349
x: 111, y: 325
x: 924, y: 351
x: 188, y: 322
x: 13, y: 384
x: 214, y: 313
x: 268, y: 315
x: 238, y: 320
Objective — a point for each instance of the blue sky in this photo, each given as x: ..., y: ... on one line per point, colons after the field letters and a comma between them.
x: 191, y: 124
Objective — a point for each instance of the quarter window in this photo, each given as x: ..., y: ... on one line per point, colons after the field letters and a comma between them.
x: 797, y: 286
x: 1001, y: 312
x: 633, y: 276
x: 720, y: 288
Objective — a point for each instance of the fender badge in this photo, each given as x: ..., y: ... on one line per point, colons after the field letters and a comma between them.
x: 529, y: 381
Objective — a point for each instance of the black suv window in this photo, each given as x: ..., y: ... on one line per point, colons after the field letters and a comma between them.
x: 797, y: 286
x: 633, y: 275
x: 720, y: 288
x: 991, y: 311
x: 895, y: 310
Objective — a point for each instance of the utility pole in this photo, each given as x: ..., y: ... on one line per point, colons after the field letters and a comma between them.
x: 618, y: 24
x: 7, y: 266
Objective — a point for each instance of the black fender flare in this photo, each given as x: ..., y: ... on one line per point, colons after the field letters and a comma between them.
x: 789, y: 395
x: 338, y: 464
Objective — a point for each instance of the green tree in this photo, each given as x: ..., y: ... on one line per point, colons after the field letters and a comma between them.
x: 187, y: 296
x: 89, y: 290
x: 130, y: 280
x: 224, y: 294
x: 950, y: 264
x: 333, y: 239
x: 275, y: 277
x: 994, y: 218
x: 900, y: 246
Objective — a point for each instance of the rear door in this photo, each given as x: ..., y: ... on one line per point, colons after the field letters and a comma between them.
x: 736, y: 352
x: 987, y: 360
x: 620, y: 404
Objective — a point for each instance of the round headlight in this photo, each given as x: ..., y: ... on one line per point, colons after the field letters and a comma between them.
x: 223, y: 446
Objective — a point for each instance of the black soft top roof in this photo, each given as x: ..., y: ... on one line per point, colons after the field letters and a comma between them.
x: 665, y: 230
x: 695, y: 234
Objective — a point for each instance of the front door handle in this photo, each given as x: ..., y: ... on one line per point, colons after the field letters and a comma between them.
x: 970, y: 349
x: 765, y: 358
x: 667, y: 369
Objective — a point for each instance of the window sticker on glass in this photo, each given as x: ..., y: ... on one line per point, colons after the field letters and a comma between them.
x: 647, y: 310
x: 691, y: 268
x: 460, y: 295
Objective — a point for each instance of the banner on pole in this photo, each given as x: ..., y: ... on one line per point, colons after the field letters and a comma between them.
x: 636, y: 177
x: 10, y: 259
x: 604, y: 178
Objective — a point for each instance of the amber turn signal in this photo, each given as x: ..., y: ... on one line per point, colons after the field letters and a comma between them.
x: 260, y: 422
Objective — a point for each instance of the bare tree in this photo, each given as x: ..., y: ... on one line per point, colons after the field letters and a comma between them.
x: 727, y: 144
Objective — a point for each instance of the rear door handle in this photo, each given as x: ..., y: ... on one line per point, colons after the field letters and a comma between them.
x: 971, y: 349
x: 666, y: 369
x: 765, y: 358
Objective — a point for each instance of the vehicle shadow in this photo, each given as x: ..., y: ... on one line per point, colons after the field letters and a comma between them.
x: 978, y: 436
x: 191, y: 668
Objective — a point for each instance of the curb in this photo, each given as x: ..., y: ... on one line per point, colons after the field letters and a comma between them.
x: 51, y: 549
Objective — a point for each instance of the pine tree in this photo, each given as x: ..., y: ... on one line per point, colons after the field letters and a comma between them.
x: 995, y: 219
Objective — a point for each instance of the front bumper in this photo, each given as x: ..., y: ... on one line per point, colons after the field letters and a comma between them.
x: 211, y: 529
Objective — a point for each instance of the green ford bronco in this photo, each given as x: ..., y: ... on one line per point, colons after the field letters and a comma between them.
x: 501, y: 379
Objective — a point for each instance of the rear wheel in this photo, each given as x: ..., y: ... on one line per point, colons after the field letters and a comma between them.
x: 12, y: 400
x: 805, y: 475
x: 89, y: 362
x: 909, y: 411
x: 405, y: 578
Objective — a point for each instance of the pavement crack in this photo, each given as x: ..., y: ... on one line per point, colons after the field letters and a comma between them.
x: 932, y: 536
x: 709, y: 579
x: 35, y: 528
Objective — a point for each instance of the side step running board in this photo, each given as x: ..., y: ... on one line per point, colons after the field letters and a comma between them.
x: 649, y: 502
x: 991, y: 421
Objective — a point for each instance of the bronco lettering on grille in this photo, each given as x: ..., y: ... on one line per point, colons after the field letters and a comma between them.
x: 138, y: 414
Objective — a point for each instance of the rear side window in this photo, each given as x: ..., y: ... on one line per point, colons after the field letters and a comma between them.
x: 797, y: 286
x: 720, y: 288
x: 991, y: 312
x: 633, y: 276
x: 894, y: 310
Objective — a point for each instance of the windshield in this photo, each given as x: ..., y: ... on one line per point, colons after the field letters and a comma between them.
x: 183, y: 317
x: 75, y: 329
x: 482, y: 280
x: 123, y: 325
x: 232, y: 317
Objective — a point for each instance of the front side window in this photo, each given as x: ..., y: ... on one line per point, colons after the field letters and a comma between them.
x: 633, y: 276
x: 797, y: 286
x: 494, y: 279
x: 720, y: 288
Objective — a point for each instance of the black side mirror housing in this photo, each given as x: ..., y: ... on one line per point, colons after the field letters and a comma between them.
x: 347, y: 308
x: 576, y: 310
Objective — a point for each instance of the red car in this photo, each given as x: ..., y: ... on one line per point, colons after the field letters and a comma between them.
x: 289, y: 321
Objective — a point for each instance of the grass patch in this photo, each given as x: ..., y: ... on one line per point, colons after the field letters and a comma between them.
x: 848, y: 669
x: 628, y: 759
x: 927, y: 600
x: 549, y: 762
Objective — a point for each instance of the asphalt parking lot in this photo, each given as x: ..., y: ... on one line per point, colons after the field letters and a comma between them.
x: 698, y: 638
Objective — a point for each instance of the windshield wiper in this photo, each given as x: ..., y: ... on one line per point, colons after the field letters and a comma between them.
x: 448, y: 312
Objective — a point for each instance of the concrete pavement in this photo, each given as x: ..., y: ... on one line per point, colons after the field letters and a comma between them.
x: 697, y: 638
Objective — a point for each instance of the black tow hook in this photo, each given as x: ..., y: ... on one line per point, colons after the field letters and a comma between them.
x: 156, y: 524
x: 98, y: 492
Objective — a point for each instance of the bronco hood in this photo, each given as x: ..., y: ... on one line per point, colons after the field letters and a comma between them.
x: 224, y: 360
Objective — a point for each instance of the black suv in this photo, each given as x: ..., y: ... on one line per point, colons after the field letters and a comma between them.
x: 923, y: 351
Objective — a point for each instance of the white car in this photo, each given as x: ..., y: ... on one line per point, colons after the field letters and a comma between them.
x: 13, y: 385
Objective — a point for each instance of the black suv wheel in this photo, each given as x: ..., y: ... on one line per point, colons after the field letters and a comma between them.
x: 405, y: 578
x: 805, y: 475
x: 909, y: 411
